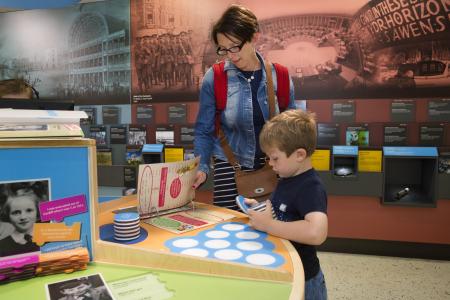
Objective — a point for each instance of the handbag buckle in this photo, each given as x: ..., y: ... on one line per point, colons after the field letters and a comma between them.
x: 259, y: 190
x: 236, y: 167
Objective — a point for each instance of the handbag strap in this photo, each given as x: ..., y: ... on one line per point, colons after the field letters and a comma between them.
x: 222, y: 138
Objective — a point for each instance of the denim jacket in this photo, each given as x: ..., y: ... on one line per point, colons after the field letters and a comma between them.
x: 236, y: 119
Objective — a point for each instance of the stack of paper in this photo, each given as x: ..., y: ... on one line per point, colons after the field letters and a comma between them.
x: 26, y: 123
x: 66, y: 261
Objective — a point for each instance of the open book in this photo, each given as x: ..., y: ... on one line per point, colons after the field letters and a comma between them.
x: 166, y: 187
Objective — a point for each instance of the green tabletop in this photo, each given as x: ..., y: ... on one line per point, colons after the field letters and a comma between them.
x: 185, y: 286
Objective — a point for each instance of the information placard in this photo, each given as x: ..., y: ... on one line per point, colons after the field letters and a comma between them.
x: 187, y: 134
x: 403, y: 110
x: 369, y: 160
x: 327, y: 134
x: 344, y: 111
x: 144, y: 114
x: 173, y: 154
x: 431, y: 134
x: 395, y: 134
x: 321, y: 159
x: 177, y: 113
x: 118, y: 134
x: 439, y: 110
x: 111, y: 114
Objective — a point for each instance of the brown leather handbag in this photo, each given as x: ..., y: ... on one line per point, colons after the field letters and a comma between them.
x: 258, y: 184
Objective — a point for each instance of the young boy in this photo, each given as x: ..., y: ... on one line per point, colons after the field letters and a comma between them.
x: 300, y: 199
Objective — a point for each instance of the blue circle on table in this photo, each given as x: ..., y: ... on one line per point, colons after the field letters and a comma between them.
x: 107, y: 234
x: 236, y: 249
x: 126, y: 217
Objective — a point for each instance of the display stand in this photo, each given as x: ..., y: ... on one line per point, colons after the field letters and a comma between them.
x: 345, y: 162
x: 67, y: 164
x: 153, y: 153
x: 410, y: 175
x: 153, y: 252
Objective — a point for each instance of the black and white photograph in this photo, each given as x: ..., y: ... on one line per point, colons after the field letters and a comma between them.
x: 63, y: 53
x: 19, y: 211
x: 91, y: 287
x: 98, y: 133
x: 137, y: 134
x: 165, y: 135
x: 333, y: 49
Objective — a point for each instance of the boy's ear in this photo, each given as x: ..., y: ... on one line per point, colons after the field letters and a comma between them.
x: 301, y: 154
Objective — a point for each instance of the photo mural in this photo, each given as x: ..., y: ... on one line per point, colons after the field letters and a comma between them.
x: 96, y: 53
x: 78, y: 53
x: 333, y: 49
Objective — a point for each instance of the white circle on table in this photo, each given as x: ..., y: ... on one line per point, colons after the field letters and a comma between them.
x: 217, y: 234
x: 217, y: 244
x: 185, y: 243
x: 233, y: 227
x: 249, y: 246
x: 247, y: 235
x: 195, y: 252
x: 260, y: 259
x: 228, y: 254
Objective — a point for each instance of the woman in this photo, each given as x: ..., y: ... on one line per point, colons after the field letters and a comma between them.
x: 235, y: 35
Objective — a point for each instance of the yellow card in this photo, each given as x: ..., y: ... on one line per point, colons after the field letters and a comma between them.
x: 369, y: 160
x: 55, y: 232
x: 173, y: 154
x: 321, y: 159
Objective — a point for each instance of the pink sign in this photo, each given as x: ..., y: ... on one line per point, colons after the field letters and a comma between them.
x: 162, y: 188
x: 19, y: 261
x: 57, y: 210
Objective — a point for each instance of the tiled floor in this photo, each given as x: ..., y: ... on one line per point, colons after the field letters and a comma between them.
x: 354, y: 276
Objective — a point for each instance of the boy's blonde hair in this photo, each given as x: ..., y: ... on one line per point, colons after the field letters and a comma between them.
x: 289, y: 131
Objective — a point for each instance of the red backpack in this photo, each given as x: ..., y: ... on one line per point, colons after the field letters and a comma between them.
x: 220, y: 88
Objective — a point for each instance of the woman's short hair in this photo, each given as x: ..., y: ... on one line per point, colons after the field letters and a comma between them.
x: 238, y: 22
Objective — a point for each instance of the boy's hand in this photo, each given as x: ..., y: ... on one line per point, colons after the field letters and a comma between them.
x: 261, y: 220
x: 250, y: 202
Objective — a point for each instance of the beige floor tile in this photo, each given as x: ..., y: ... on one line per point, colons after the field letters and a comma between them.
x: 354, y: 276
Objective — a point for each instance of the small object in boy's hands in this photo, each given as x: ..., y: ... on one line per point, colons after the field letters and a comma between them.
x: 240, y: 200
x: 261, y: 206
x: 402, y: 193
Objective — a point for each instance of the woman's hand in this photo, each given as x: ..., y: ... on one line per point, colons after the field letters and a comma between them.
x: 200, y: 178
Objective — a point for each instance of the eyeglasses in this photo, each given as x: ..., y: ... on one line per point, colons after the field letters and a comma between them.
x: 234, y: 49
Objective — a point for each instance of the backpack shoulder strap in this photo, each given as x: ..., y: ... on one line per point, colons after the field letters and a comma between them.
x: 220, y: 91
x: 282, y: 86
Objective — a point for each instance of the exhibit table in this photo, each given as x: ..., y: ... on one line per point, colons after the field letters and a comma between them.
x: 185, y: 286
x: 186, y: 276
x: 157, y: 248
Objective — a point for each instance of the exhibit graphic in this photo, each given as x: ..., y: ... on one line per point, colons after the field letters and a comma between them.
x: 333, y: 49
x: 78, y: 53
x: 161, y: 50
